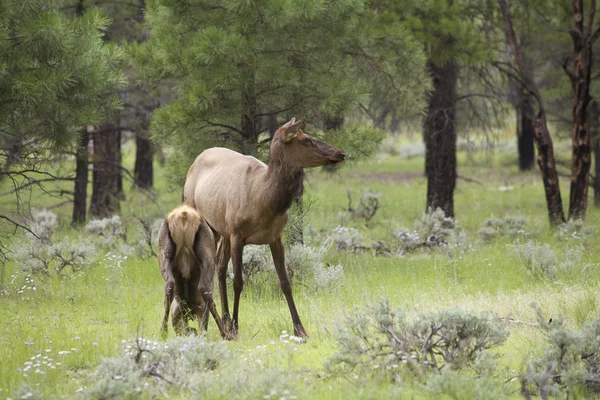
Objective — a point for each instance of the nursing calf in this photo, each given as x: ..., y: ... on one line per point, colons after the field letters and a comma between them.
x: 186, y: 255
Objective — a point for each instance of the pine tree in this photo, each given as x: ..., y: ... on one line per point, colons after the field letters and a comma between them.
x: 56, y: 76
x: 238, y: 65
x: 450, y: 34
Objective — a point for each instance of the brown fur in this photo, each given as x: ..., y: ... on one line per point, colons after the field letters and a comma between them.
x: 186, y: 255
x: 246, y: 202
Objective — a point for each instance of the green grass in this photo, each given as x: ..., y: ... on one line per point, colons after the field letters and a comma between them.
x: 94, y: 311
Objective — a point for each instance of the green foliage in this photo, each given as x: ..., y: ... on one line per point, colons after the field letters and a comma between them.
x: 386, y: 339
x: 186, y: 366
x: 451, y: 384
x: 56, y: 76
x: 509, y: 227
x: 449, y: 30
x: 538, y: 259
x: 570, y: 362
x: 433, y: 230
x: 237, y: 61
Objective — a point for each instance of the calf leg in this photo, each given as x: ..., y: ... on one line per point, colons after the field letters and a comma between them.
x: 278, y: 253
x: 169, y: 294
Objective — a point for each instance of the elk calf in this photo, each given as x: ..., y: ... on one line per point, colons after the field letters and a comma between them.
x: 186, y: 255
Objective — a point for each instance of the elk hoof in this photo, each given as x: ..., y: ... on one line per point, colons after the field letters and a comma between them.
x: 300, y: 332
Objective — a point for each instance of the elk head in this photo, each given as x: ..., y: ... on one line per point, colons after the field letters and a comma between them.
x: 298, y: 150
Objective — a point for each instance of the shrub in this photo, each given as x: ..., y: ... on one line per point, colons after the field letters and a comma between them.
x: 538, y: 259
x: 110, y: 230
x: 570, y: 362
x: 507, y: 227
x: 45, y: 259
x: 382, y: 339
x: 346, y: 239
x: 455, y: 385
x: 367, y: 207
x: 188, y: 367
x: 433, y: 230
x: 574, y: 230
x: 43, y: 226
x: 305, y: 263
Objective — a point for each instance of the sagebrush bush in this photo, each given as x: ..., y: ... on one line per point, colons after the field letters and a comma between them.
x: 304, y: 264
x: 510, y: 227
x: 538, y: 259
x: 188, y: 367
x: 380, y: 338
x: 43, y: 225
x: 452, y: 384
x: 433, y: 230
x: 569, y: 365
x: 109, y: 230
x: 574, y: 229
x: 38, y: 256
x: 346, y: 239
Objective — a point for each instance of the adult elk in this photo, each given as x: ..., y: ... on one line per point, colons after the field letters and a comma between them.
x: 186, y: 255
x: 246, y: 201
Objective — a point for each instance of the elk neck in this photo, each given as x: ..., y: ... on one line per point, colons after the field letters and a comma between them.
x: 284, y: 185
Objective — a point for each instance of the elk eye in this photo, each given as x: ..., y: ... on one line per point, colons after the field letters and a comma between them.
x: 307, y: 140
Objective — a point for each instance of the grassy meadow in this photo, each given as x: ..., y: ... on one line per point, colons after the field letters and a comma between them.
x: 55, y: 332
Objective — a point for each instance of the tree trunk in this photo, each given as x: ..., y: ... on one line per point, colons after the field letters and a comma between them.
x: 595, y: 133
x: 250, y: 128
x: 543, y: 141
x: 581, y: 136
x: 440, y: 138
x: 81, y: 180
x: 105, y: 185
x: 120, y: 191
x: 143, y: 172
x: 525, y: 132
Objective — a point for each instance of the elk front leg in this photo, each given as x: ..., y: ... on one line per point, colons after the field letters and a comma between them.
x: 237, y: 249
x: 278, y: 253
x: 222, y: 262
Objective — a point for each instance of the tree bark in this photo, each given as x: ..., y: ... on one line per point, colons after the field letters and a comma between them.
x: 580, y: 132
x: 543, y: 141
x: 249, y: 123
x: 595, y: 132
x: 120, y: 191
x: 81, y: 180
x: 143, y: 171
x: 105, y: 195
x: 525, y: 132
x: 439, y: 131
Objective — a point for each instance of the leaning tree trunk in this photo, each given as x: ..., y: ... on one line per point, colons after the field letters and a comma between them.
x: 580, y: 132
x: 105, y: 185
x: 525, y: 132
x: 543, y: 141
x: 144, y: 152
x: 440, y: 138
x: 81, y: 180
x: 595, y: 133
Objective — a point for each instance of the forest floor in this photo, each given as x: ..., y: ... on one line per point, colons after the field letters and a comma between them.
x: 75, y: 335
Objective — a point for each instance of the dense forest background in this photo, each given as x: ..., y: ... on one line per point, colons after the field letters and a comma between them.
x: 177, y: 77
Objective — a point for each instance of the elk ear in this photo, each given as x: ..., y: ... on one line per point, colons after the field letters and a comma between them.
x: 291, y: 129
